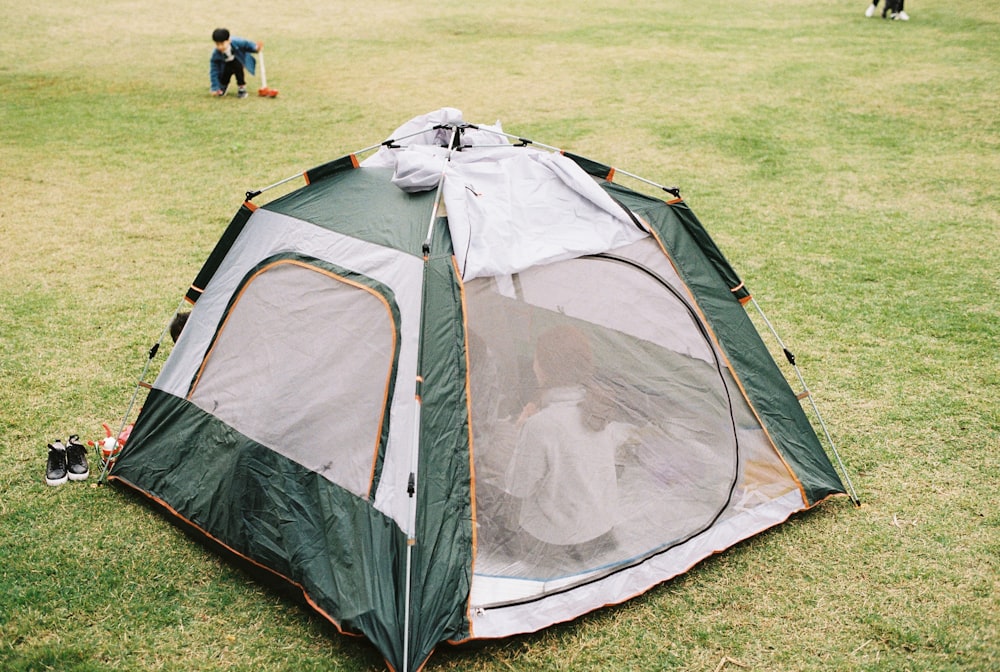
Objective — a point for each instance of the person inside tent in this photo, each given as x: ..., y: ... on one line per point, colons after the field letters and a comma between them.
x: 494, y: 434
x: 564, y: 464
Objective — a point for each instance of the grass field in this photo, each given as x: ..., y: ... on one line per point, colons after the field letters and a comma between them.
x: 848, y: 167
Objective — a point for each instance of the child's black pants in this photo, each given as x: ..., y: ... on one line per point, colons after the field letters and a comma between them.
x: 230, y: 69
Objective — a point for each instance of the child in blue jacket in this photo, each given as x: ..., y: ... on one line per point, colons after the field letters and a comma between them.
x: 229, y: 58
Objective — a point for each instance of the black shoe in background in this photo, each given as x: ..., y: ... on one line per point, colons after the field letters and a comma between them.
x: 76, y: 460
x: 55, y: 467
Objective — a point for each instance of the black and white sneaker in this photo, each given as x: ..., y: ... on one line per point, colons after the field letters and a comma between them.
x: 55, y: 467
x: 76, y: 459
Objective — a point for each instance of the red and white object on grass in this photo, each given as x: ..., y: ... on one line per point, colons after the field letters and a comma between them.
x: 264, y: 91
x: 111, y: 445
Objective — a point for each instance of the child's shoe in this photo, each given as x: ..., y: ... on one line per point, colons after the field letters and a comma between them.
x: 55, y: 466
x: 242, y: 92
x: 76, y: 460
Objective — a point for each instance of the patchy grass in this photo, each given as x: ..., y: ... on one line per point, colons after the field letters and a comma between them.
x: 846, y: 166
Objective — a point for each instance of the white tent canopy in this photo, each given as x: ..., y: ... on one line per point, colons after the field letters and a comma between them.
x: 509, y: 208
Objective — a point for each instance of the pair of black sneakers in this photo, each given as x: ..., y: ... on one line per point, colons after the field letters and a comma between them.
x: 66, y: 462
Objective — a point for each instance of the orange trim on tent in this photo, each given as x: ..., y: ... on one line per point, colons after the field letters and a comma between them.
x: 472, y: 450
x: 739, y: 383
x: 352, y: 283
x: 232, y: 550
x: 252, y: 207
x: 609, y: 176
x: 716, y: 345
x: 744, y: 300
x: 354, y: 163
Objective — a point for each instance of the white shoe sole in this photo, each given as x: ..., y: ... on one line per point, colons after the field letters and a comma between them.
x: 78, y: 477
x: 56, y: 481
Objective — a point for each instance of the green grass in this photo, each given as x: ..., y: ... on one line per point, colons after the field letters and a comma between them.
x: 847, y: 167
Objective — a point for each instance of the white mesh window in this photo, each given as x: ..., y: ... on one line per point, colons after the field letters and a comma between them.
x: 606, y: 426
x: 302, y: 364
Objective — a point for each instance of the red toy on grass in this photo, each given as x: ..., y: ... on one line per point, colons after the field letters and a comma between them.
x: 264, y: 91
x: 111, y: 445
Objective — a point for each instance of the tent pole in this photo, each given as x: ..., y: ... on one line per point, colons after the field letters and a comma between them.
x: 439, y: 196
x: 411, y: 539
x: 391, y: 142
x: 411, y: 486
x: 258, y: 192
x: 107, y: 465
x: 807, y: 393
x: 524, y: 142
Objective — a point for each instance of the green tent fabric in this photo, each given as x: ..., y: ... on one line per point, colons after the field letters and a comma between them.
x: 464, y: 389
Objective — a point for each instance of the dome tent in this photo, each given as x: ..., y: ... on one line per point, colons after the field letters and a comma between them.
x: 468, y: 388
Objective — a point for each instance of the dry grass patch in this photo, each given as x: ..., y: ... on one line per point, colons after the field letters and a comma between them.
x: 845, y: 166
